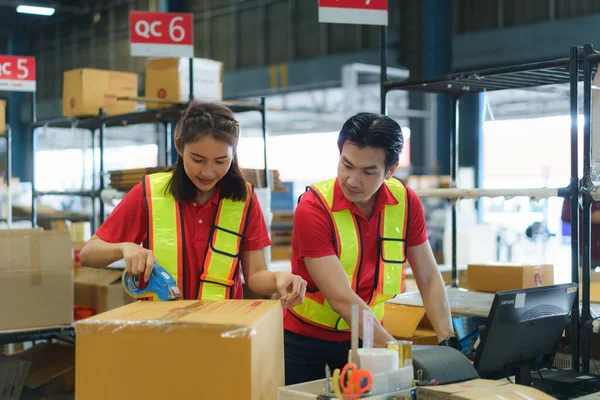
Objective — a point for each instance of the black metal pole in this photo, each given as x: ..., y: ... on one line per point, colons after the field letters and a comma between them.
x: 574, y: 202
x: 191, y: 78
x: 454, y: 121
x: 384, y: 61
x: 101, y: 172
x: 168, y: 143
x: 263, y: 113
x: 93, y: 218
x: 9, y: 174
x: 33, y: 151
x: 587, y: 206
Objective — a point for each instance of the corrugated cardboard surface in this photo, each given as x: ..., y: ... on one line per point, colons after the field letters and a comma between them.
x: 168, y: 79
x: 36, y: 279
x: 480, y: 389
x: 2, y: 116
x: 410, y: 323
x: 230, y: 349
x: 86, y: 90
x: 52, y: 369
x: 495, y: 277
x: 100, y: 289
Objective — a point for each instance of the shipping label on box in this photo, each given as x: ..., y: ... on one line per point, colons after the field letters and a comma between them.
x: 229, y: 349
x: 169, y: 79
x: 36, y: 279
x: 86, y: 91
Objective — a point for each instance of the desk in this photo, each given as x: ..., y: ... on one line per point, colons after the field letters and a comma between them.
x: 464, y: 302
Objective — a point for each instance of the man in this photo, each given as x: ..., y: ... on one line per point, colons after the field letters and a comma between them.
x: 352, y: 237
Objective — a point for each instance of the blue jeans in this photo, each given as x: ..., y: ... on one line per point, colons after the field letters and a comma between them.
x: 306, y: 357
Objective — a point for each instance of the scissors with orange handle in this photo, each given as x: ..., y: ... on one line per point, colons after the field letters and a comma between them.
x: 354, y: 380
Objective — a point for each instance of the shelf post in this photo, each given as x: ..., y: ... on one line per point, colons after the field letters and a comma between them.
x: 573, y: 200
x: 586, y: 206
x: 454, y: 122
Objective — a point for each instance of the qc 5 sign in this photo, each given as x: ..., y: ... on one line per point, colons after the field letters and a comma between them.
x: 157, y: 34
x: 362, y: 12
x: 17, y: 73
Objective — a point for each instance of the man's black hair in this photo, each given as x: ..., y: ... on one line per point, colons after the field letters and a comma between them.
x: 374, y: 130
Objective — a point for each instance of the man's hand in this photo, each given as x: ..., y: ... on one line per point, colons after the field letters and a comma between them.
x: 432, y: 288
x: 291, y: 288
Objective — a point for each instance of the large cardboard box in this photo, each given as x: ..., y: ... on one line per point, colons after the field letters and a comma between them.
x: 409, y: 323
x: 36, y: 279
x: 188, y: 349
x: 86, y: 90
x: 2, y: 117
x: 480, y: 389
x: 496, y: 277
x: 169, y: 79
x: 100, y: 289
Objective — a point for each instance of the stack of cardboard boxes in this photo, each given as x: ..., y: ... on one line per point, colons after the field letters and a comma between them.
x: 87, y: 90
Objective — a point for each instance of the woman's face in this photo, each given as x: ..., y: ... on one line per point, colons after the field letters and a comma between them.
x: 206, y: 161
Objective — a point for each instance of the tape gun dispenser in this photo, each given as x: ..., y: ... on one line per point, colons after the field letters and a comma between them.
x: 161, y: 285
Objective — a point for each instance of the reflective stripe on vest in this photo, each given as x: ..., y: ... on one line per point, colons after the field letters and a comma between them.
x: 390, y: 273
x: 166, y: 237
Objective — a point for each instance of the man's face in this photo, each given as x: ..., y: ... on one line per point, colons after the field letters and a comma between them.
x: 361, y: 171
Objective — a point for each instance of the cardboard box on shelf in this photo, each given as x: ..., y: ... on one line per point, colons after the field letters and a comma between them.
x: 169, y: 79
x: 188, y: 342
x: 495, y: 277
x: 409, y: 323
x: 52, y: 370
x: 480, y: 389
x: 100, y: 289
x: 36, y: 279
x: 2, y: 117
x: 87, y: 90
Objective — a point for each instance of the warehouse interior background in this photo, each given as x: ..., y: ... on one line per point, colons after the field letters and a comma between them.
x: 313, y: 76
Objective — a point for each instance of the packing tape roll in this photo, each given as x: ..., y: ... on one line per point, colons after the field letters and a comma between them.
x: 377, y: 360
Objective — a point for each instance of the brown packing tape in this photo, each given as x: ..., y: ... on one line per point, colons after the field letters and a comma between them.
x: 36, y: 262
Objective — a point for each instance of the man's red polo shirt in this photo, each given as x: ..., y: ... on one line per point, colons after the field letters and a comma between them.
x: 313, y: 238
x: 129, y: 223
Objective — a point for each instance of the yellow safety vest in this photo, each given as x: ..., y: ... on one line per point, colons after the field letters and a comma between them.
x: 391, y: 272
x: 166, y: 237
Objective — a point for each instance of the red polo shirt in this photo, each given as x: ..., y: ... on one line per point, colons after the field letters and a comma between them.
x: 313, y: 237
x: 129, y: 223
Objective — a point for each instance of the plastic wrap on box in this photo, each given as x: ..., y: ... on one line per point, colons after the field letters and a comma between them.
x: 201, y: 346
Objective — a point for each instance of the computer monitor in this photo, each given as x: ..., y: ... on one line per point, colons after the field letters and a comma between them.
x: 523, y: 331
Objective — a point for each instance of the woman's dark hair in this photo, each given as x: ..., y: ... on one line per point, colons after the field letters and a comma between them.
x: 202, y: 119
x: 374, y: 130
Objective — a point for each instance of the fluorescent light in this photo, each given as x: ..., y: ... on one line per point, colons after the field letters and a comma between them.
x: 35, y: 10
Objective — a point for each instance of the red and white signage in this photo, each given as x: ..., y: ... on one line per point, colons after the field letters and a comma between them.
x: 17, y: 73
x: 158, y: 34
x: 364, y: 12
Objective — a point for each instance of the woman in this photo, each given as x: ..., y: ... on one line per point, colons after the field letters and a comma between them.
x: 204, y: 199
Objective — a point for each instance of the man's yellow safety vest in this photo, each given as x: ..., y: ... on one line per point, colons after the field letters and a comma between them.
x: 166, y: 237
x: 390, y: 273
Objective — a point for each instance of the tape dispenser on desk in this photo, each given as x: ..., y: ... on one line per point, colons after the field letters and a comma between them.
x: 160, y: 286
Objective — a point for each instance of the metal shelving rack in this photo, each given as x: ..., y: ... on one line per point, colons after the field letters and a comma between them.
x: 557, y: 71
x: 100, y: 123
x: 588, y: 192
x: 7, y: 137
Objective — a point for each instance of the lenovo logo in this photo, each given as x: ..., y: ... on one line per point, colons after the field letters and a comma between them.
x: 507, y: 302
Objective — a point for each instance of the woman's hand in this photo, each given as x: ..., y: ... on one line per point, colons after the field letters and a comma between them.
x: 292, y: 288
x: 138, y: 259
